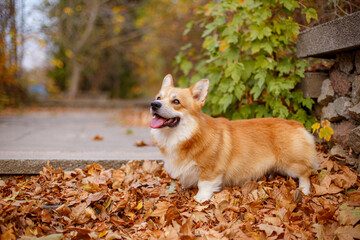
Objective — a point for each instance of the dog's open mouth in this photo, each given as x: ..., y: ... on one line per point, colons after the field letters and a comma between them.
x: 158, y: 122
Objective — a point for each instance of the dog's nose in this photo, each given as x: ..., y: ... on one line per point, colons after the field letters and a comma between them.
x: 155, y: 105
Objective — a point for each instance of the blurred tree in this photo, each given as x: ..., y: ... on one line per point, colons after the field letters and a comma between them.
x: 121, y: 46
x: 165, y: 22
x: 11, y: 91
x: 91, y: 38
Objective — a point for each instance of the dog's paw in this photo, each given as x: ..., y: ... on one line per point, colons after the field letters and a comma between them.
x: 202, y: 197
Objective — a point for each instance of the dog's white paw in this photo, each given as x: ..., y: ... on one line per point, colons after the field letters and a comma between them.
x: 304, y: 185
x: 201, y: 197
x: 306, y: 190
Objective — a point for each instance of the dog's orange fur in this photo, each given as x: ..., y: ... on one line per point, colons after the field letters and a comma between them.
x: 237, y: 150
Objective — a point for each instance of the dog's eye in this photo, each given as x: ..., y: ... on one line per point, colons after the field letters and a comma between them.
x: 176, y: 102
x: 158, y: 98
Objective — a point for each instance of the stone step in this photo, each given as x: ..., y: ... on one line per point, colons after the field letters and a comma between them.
x: 65, y: 139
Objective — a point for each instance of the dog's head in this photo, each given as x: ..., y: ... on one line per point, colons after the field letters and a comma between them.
x: 172, y: 106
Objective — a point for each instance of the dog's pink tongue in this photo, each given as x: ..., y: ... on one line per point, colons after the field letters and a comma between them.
x: 157, y: 122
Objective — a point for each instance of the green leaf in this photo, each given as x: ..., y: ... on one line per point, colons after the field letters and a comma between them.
x: 249, y: 67
x: 285, y: 66
x: 225, y: 86
x: 261, y: 111
x: 256, y: 91
x: 225, y: 101
x: 290, y: 4
x: 310, y: 13
x: 234, y: 70
x: 188, y: 27
x: 239, y: 90
x: 186, y: 66
x: 210, y: 43
x: 220, y: 20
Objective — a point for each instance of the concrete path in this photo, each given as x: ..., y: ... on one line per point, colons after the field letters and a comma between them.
x: 65, y: 138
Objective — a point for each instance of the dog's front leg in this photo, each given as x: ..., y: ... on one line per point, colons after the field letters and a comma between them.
x: 207, y: 189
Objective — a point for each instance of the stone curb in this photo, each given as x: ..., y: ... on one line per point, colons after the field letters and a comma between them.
x: 327, y: 39
x: 34, y: 166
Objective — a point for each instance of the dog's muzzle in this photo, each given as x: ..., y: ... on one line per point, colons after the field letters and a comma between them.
x: 159, y: 121
x: 155, y: 105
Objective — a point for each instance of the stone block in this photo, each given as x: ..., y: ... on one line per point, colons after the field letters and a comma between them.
x: 327, y: 93
x: 338, y: 151
x: 355, y: 93
x: 357, y: 62
x: 330, y: 38
x: 346, y: 61
x: 312, y: 82
x: 351, y: 160
x: 339, y: 82
x: 355, y: 112
x: 330, y: 114
x: 354, y: 140
x: 342, y: 105
x: 341, y: 132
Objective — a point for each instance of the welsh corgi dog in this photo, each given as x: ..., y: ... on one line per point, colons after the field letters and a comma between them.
x: 211, y: 153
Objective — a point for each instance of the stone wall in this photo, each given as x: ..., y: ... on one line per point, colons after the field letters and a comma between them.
x: 338, y: 92
x: 340, y: 102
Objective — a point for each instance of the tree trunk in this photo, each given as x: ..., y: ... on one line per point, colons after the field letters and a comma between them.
x: 75, y: 79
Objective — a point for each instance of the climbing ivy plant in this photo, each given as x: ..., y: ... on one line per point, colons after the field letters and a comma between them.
x: 248, y: 54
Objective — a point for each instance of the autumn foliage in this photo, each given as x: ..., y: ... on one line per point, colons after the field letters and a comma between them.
x: 140, y: 201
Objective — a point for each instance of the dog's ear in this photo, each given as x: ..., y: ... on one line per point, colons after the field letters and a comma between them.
x: 200, y: 91
x: 168, y: 81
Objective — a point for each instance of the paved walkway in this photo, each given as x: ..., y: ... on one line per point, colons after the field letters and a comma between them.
x: 65, y: 138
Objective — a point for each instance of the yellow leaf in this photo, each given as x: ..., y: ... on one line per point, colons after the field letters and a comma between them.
x: 315, y: 127
x: 223, y: 45
x: 79, y: 8
x: 321, y: 133
x: 9, y: 234
x: 41, y: 42
x: 103, y: 233
x: 139, y: 206
x: 329, y: 130
x: 117, y: 28
x: 117, y: 9
x: 131, y: 215
x: 68, y: 11
x: 119, y: 18
x: 68, y: 53
x: 327, y: 137
x: 57, y: 63
x: 326, y: 133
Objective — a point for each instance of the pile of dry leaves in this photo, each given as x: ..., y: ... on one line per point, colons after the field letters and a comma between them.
x: 142, y: 202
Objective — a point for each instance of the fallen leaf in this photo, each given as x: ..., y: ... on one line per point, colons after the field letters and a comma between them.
x: 141, y: 143
x: 348, y: 215
x: 161, y: 209
x: 97, y: 138
x: 269, y: 229
x: 78, y: 214
x: 348, y: 232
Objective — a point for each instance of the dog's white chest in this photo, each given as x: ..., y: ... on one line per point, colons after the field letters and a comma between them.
x: 186, y: 173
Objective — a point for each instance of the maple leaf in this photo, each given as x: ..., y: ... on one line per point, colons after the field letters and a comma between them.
x: 348, y: 232
x: 161, y: 209
x: 348, y: 215
x: 269, y: 229
x: 326, y: 187
x: 78, y: 213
